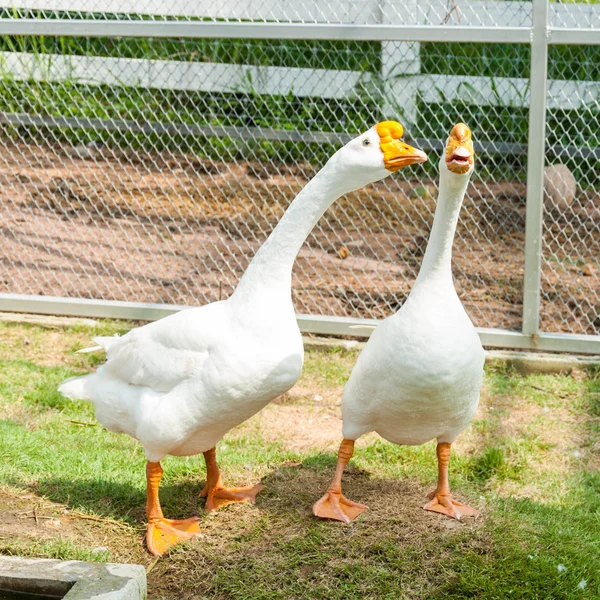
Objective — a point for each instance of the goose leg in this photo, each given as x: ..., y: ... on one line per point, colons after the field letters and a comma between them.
x: 163, y: 533
x: 441, y: 498
x: 215, y: 493
x: 334, y: 505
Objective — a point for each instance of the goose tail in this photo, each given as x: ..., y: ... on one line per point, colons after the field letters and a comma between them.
x: 103, y: 342
x: 75, y: 388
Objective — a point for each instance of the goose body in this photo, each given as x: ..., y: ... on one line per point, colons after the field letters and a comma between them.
x: 179, y: 384
x: 419, y: 376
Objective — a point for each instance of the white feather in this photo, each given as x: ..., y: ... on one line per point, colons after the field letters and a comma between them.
x: 90, y: 349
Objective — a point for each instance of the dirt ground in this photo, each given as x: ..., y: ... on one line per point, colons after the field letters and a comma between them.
x: 95, y: 223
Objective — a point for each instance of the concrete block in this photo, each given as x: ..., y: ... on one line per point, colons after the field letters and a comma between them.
x: 523, y: 362
x: 538, y: 362
x: 77, y: 580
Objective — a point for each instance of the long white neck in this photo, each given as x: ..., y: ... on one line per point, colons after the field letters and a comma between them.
x: 271, y: 267
x: 438, y: 256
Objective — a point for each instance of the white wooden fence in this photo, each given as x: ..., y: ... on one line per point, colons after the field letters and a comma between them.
x: 322, y: 83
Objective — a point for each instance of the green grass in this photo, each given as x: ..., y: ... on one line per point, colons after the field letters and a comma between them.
x: 529, y: 463
x: 243, y: 109
x: 310, y: 54
x: 60, y: 549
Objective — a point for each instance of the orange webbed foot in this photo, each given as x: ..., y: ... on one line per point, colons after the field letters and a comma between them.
x: 219, y: 496
x: 334, y: 505
x: 445, y: 504
x: 163, y: 534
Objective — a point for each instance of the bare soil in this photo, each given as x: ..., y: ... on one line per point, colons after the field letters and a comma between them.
x: 30, y: 518
x: 178, y: 229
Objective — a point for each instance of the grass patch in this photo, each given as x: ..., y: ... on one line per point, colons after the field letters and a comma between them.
x: 60, y: 549
x: 529, y: 463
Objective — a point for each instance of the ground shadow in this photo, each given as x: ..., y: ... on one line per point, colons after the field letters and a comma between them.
x: 118, y: 501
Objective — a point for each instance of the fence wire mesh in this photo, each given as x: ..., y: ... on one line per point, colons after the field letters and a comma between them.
x: 582, y: 14
x: 571, y: 240
x: 151, y: 170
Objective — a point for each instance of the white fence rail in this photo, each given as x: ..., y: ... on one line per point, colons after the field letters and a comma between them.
x: 276, y: 81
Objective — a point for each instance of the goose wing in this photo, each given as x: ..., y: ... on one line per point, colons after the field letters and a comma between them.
x: 164, y: 353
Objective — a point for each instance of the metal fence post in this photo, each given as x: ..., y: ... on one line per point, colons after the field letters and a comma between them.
x: 535, y: 168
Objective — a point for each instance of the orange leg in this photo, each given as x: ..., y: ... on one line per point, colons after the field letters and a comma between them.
x: 163, y: 533
x: 334, y: 505
x: 441, y: 498
x: 215, y: 493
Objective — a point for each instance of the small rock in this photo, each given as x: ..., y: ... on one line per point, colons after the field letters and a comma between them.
x: 559, y: 187
x: 343, y: 252
x: 588, y: 270
x: 99, y: 549
x: 318, y: 398
x: 356, y: 244
x: 578, y: 374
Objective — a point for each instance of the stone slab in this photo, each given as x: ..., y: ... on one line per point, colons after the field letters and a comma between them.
x: 80, y: 580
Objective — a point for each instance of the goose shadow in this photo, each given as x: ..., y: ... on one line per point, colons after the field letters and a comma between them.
x: 125, y: 502
x: 292, y: 489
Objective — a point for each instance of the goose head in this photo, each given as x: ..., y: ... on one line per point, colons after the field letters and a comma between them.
x: 373, y: 155
x: 459, y: 156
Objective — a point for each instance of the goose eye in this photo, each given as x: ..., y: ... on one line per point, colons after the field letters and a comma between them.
x: 366, y: 142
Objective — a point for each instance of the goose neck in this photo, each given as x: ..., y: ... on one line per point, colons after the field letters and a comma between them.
x: 438, y: 256
x: 271, y: 267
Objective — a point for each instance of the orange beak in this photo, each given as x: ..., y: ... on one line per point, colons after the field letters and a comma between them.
x: 460, y: 153
x: 396, y: 153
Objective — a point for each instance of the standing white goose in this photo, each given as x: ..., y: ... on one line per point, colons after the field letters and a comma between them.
x: 179, y: 384
x: 419, y: 376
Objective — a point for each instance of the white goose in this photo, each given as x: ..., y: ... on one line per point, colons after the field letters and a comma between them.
x: 419, y: 376
x: 179, y: 384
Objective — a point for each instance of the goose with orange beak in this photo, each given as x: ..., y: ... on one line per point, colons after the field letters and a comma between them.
x: 419, y: 376
x: 180, y: 384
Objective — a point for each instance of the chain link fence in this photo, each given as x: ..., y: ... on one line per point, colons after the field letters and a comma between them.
x: 571, y: 240
x: 150, y: 169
